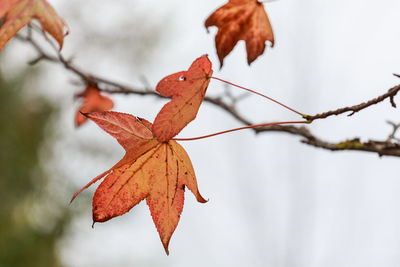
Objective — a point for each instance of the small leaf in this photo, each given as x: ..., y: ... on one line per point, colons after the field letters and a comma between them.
x: 187, y: 90
x: 19, y: 13
x: 5, y: 6
x: 92, y: 101
x: 241, y: 20
x: 151, y: 170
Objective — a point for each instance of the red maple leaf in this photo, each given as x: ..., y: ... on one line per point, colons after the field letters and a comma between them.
x: 152, y: 170
x: 241, y: 20
x: 92, y: 101
x: 187, y: 90
x: 18, y: 13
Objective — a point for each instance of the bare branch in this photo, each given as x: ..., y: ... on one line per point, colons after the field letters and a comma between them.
x: 381, y: 148
x: 391, y: 93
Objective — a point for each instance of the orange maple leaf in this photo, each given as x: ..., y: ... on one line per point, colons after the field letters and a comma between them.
x: 241, y: 20
x: 19, y: 13
x: 92, y: 101
x: 151, y: 170
x: 187, y: 90
x: 5, y: 6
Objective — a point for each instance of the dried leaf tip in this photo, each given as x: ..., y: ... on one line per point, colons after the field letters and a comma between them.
x: 166, y: 249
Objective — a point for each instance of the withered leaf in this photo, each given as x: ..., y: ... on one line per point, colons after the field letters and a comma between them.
x: 241, y: 20
x: 92, y: 101
x: 18, y: 13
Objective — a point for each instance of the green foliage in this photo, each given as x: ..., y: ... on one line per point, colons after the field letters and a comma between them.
x: 24, y: 242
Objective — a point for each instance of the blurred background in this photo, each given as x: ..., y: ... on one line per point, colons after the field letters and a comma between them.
x: 272, y: 200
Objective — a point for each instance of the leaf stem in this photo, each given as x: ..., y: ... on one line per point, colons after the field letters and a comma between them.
x: 267, y: 97
x: 240, y: 128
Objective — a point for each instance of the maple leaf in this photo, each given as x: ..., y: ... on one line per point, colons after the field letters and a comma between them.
x: 187, y: 90
x: 151, y: 170
x: 5, y: 6
x: 19, y: 13
x: 241, y: 20
x: 92, y: 101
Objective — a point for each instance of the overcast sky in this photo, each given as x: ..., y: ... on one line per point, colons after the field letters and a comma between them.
x: 272, y: 200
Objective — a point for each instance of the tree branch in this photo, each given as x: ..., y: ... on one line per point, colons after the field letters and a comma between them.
x: 391, y: 93
x: 388, y: 147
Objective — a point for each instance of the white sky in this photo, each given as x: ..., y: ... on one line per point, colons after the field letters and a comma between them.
x: 272, y: 201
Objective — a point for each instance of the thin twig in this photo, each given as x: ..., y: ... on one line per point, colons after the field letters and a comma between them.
x: 391, y: 93
x: 381, y: 148
x: 392, y: 136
